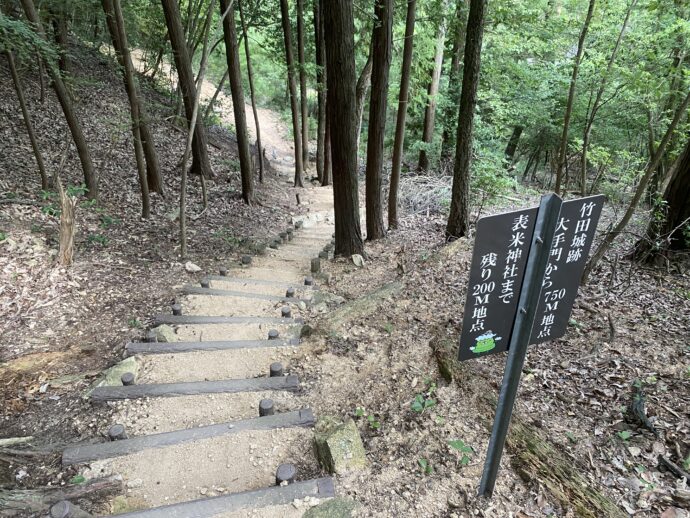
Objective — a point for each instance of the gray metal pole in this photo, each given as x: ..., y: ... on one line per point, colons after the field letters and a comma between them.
x: 537, y: 260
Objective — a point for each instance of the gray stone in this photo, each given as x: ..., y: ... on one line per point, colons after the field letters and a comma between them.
x: 165, y: 333
x: 113, y: 376
x: 338, y: 445
x: 334, y: 508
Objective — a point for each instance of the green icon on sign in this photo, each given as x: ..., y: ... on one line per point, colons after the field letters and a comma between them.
x: 485, y: 343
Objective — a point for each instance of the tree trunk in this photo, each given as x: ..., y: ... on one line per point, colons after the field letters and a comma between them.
x: 200, y: 161
x: 381, y: 45
x: 641, y: 186
x: 453, y: 77
x: 458, y: 219
x: 509, y: 153
x: 403, y: 98
x: 563, y: 149
x: 363, y: 83
x: 122, y: 48
x: 432, y: 94
x: 219, y: 88
x: 327, y: 158
x: 292, y: 87
x: 27, y: 121
x: 250, y: 76
x: 598, y: 101
x: 67, y: 108
x: 233, y: 58
x: 340, y: 52
x: 60, y: 34
x: 303, y: 83
x: 320, y: 52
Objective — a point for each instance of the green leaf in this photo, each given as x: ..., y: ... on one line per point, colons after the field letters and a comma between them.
x: 426, y: 466
x: 625, y: 435
x: 77, y: 479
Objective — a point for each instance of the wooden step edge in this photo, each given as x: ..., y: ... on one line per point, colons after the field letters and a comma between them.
x: 197, y: 290
x: 89, y: 452
x: 201, y: 319
x: 192, y: 388
x: 220, y: 345
x: 253, y: 499
x: 262, y: 282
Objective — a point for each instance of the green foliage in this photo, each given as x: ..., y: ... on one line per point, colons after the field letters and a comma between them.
x: 426, y: 466
x: 3, y: 236
x: 373, y: 423
x: 97, y: 239
x: 134, y: 323
x: 18, y: 37
x: 425, y: 400
x: 464, y: 450
x: 624, y: 435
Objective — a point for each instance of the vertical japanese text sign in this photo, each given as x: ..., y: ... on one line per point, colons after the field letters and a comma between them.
x: 498, y: 268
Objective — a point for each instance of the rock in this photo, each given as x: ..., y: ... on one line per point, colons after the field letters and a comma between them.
x: 165, y: 333
x: 137, y: 482
x: 191, y: 267
x: 334, y: 508
x: 358, y: 260
x: 338, y: 445
x: 306, y: 331
x: 111, y: 377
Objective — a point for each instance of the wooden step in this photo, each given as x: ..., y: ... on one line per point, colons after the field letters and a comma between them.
x: 198, y: 319
x: 192, y: 388
x: 89, y: 452
x: 254, y: 499
x: 260, y: 282
x: 220, y: 345
x: 196, y: 290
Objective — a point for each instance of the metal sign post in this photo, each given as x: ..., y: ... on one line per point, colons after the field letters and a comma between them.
x: 528, y: 300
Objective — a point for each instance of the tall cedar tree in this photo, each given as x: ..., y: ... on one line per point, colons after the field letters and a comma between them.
x: 382, y: 37
x: 200, y: 161
x: 320, y: 52
x: 115, y: 23
x: 453, y: 92
x: 302, y: 84
x: 233, y: 57
x: 340, y: 58
x: 250, y: 77
x: 403, y: 97
x: 67, y: 108
x: 563, y: 148
x: 458, y: 219
x: 432, y: 94
x: 292, y: 86
x: 363, y: 83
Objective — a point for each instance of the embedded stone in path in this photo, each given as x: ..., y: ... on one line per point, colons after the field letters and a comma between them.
x: 216, y: 345
x: 338, y: 445
x: 338, y: 507
x: 194, y: 387
x: 124, y: 446
x: 165, y: 333
x: 194, y: 290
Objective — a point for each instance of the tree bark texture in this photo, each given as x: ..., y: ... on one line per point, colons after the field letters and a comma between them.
x: 200, y: 162
x: 320, y: 52
x: 363, y: 83
x: 340, y: 55
x: 509, y: 153
x: 458, y: 219
x: 403, y: 97
x: 302, y: 84
x: 250, y: 77
x: 292, y: 87
x: 233, y: 58
x: 65, y: 100
x: 382, y: 37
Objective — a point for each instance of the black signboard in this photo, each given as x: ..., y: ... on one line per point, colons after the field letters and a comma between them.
x: 498, y: 268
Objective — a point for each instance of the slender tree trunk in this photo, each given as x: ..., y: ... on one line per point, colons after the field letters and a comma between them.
x: 563, y: 149
x: 27, y: 121
x: 340, y: 52
x: 509, y: 153
x: 432, y: 94
x: 363, y: 83
x: 212, y: 102
x: 115, y: 24
x: 453, y: 77
x: 41, y: 73
x: 641, y: 186
x: 327, y: 157
x: 250, y: 76
x: 403, y: 98
x: 303, y: 83
x: 292, y: 87
x: 201, y: 164
x: 587, y: 133
x: 233, y: 58
x: 458, y: 219
x: 70, y: 115
x: 382, y: 40
x: 60, y: 33
x: 320, y: 52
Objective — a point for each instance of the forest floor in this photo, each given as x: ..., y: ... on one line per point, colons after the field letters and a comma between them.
x: 61, y: 327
